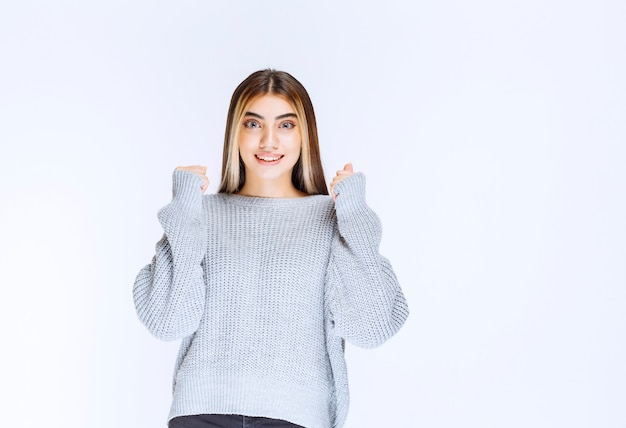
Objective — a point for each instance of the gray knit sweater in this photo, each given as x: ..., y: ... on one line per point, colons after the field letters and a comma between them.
x: 263, y: 292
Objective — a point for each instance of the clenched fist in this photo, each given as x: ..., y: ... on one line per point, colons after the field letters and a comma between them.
x: 198, y: 170
x: 342, y: 174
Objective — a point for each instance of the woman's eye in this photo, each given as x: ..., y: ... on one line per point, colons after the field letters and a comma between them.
x: 251, y: 124
x: 287, y: 125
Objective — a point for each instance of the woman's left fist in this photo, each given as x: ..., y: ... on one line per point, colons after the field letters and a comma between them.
x: 342, y: 174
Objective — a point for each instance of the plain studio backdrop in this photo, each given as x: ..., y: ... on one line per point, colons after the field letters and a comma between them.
x: 493, y: 138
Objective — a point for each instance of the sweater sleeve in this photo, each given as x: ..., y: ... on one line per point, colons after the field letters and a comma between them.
x: 366, y: 303
x: 169, y: 293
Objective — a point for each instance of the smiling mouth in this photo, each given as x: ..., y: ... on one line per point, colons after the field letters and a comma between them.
x: 269, y: 159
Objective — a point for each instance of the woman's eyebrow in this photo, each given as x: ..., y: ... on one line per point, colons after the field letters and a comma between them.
x: 282, y: 116
x: 258, y: 116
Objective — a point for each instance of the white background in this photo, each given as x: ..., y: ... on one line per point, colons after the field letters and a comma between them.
x: 494, y: 141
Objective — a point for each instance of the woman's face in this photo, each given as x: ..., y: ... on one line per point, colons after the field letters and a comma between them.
x: 269, y: 139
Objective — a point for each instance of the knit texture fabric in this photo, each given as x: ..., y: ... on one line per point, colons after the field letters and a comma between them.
x: 263, y: 292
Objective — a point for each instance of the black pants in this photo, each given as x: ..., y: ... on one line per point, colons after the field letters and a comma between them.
x: 228, y: 421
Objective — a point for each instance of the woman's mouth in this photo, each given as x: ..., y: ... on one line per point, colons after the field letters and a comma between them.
x: 269, y: 158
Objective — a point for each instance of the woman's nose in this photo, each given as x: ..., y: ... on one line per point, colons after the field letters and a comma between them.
x: 268, y: 139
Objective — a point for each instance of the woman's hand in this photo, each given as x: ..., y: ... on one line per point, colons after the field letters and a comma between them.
x: 342, y: 174
x: 198, y: 170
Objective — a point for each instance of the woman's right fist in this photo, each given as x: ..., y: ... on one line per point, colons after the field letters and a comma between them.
x: 198, y: 170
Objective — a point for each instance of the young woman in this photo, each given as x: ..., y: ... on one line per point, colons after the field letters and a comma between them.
x: 265, y: 280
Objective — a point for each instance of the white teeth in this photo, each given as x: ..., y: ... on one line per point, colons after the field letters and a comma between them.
x: 269, y: 159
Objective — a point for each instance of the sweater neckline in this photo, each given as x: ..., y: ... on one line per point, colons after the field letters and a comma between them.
x: 259, y: 201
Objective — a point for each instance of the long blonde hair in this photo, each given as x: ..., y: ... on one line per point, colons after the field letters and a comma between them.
x: 308, y: 174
